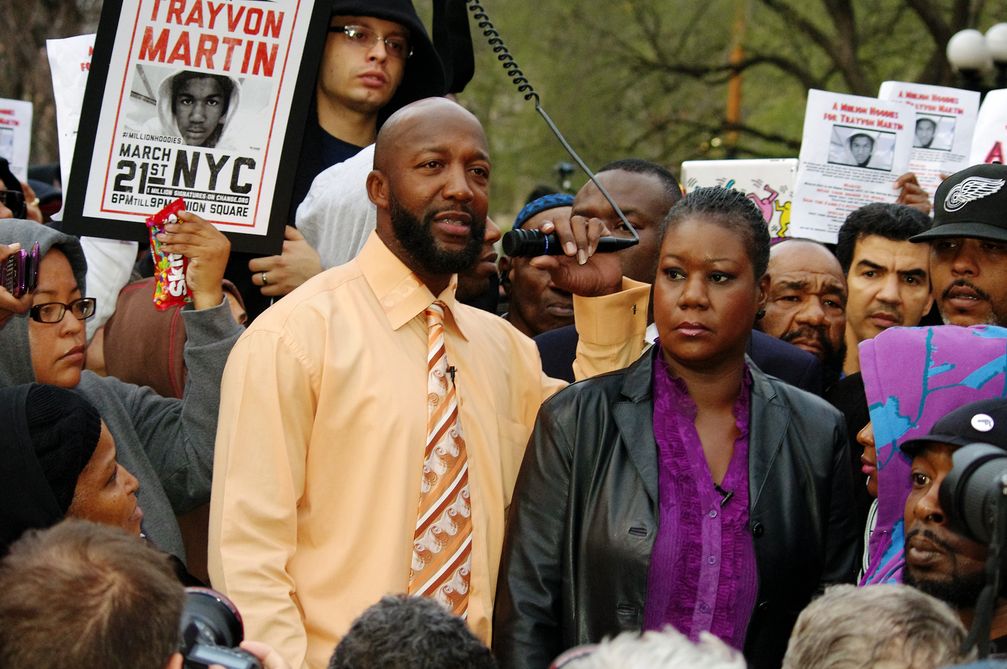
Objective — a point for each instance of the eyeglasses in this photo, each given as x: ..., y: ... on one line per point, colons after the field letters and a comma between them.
x: 53, y: 312
x: 396, y: 46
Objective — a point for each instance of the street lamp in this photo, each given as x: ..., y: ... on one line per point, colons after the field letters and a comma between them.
x: 996, y: 40
x: 973, y: 54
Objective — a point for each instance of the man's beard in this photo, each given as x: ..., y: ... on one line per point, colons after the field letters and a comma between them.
x: 417, y: 240
x: 960, y: 591
x: 832, y: 356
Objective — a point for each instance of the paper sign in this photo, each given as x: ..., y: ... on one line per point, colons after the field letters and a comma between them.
x: 15, y: 135
x: 199, y: 99
x: 852, y: 151
x: 768, y: 183
x: 942, y: 130
x: 69, y: 63
x: 989, y: 145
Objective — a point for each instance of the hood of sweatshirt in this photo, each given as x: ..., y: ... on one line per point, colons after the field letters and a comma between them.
x: 912, y: 377
x: 15, y: 352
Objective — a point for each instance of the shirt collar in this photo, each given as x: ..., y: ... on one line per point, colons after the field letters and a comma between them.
x: 400, y: 292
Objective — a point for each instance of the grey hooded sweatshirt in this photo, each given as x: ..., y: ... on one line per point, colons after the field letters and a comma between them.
x: 166, y: 443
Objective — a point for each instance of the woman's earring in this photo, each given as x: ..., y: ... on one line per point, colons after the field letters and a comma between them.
x: 759, y: 314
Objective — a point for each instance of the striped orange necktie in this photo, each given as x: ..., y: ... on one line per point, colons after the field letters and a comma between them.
x: 442, y: 542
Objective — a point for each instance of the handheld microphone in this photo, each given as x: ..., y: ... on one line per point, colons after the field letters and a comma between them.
x: 529, y: 243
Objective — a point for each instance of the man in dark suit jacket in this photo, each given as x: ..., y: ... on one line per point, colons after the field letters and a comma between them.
x: 775, y: 357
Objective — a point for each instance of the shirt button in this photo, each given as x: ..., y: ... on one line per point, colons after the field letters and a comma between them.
x: 712, y: 559
x: 713, y: 513
x: 703, y: 608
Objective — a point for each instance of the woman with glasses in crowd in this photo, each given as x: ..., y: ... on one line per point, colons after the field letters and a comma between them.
x: 166, y: 443
x: 689, y: 489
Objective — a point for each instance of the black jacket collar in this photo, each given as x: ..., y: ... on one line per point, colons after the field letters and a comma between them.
x: 634, y: 414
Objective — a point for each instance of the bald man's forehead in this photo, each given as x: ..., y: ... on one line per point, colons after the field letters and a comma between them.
x: 426, y: 110
x: 805, y: 252
x: 431, y: 123
x: 798, y: 256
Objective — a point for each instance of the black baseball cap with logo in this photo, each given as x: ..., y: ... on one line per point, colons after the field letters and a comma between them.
x: 982, y: 422
x: 971, y: 203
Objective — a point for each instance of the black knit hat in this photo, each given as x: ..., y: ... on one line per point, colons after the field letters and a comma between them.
x: 424, y: 73
x: 64, y: 430
x: 971, y: 203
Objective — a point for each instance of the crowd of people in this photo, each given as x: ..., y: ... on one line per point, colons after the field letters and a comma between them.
x: 387, y: 449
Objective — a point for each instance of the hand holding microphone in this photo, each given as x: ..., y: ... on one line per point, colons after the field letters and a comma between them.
x: 575, y: 263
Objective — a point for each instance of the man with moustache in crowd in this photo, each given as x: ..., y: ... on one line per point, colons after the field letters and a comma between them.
x: 968, y: 246
x: 887, y: 276
x: 330, y: 396
x: 940, y: 561
x: 807, y: 302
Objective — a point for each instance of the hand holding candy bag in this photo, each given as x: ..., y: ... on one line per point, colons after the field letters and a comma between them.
x: 170, y: 288
x: 190, y: 256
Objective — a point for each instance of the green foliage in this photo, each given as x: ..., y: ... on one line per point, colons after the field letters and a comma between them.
x: 649, y: 78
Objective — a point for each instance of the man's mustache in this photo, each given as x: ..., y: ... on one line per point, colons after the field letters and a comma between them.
x: 930, y: 536
x: 962, y: 283
x: 804, y: 332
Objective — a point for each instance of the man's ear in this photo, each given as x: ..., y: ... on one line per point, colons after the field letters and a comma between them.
x: 377, y: 189
x: 763, y: 294
x: 174, y: 662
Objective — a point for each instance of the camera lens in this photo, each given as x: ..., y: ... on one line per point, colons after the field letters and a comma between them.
x: 210, y: 617
x: 969, y: 492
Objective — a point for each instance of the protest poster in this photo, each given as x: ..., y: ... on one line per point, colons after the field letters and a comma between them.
x: 200, y: 99
x: 942, y: 130
x: 853, y: 149
x: 989, y: 144
x: 15, y: 135
x: 69, y: 63
x: 769, y: 183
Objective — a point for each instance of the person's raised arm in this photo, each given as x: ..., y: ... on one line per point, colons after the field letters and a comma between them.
x: 178, y: 436
x: 610, y: 310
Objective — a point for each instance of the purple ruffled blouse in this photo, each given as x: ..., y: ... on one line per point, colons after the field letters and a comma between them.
x: 702, y: 574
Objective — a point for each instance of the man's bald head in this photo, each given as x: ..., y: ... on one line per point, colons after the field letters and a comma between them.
x: 806, y: 253
x: 421, y: 120
x: 807, y: 300
x: 430, y: 184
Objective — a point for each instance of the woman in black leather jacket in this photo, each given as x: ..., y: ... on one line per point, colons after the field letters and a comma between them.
x: 688, y: 489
